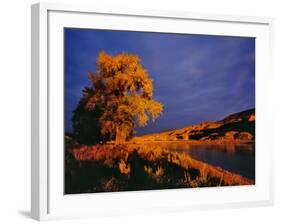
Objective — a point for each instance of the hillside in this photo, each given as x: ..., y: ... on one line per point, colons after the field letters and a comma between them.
x: 235, y: 127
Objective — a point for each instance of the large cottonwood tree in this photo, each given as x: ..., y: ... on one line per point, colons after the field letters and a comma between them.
x: 122, y: 92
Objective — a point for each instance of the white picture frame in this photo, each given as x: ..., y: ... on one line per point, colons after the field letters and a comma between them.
x: 47, y: 198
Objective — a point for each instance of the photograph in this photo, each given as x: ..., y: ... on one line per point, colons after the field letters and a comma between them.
x: 157, y: 110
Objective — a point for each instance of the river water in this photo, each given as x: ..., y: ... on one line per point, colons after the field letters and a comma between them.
x: 237, y: 158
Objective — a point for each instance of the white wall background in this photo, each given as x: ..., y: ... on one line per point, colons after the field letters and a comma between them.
x: 15, y: 110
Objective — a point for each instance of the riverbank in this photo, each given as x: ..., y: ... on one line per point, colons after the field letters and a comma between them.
x: 133, y: 166
x: 223, y: 141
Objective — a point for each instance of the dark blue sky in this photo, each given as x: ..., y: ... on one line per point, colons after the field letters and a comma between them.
x: 196, y: 77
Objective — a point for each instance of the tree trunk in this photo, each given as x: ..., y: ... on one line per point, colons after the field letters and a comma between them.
x: 120, y: 135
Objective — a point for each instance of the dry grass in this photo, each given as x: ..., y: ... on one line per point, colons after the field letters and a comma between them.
x: 125, y: 167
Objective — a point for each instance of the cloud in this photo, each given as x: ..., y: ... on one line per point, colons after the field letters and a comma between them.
x: 196, y: 77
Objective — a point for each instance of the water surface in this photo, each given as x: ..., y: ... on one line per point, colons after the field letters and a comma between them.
x: 237, y: 158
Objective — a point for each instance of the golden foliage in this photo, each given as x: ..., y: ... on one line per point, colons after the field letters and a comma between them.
x: 125, y: 90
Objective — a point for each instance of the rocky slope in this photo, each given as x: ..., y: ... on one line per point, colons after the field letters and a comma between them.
x: 235, y: 127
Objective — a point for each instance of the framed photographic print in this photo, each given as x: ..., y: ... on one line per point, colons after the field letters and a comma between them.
x: 148, y: 111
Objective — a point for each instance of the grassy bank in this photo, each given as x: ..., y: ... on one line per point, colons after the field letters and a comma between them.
x: 127, y: 167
